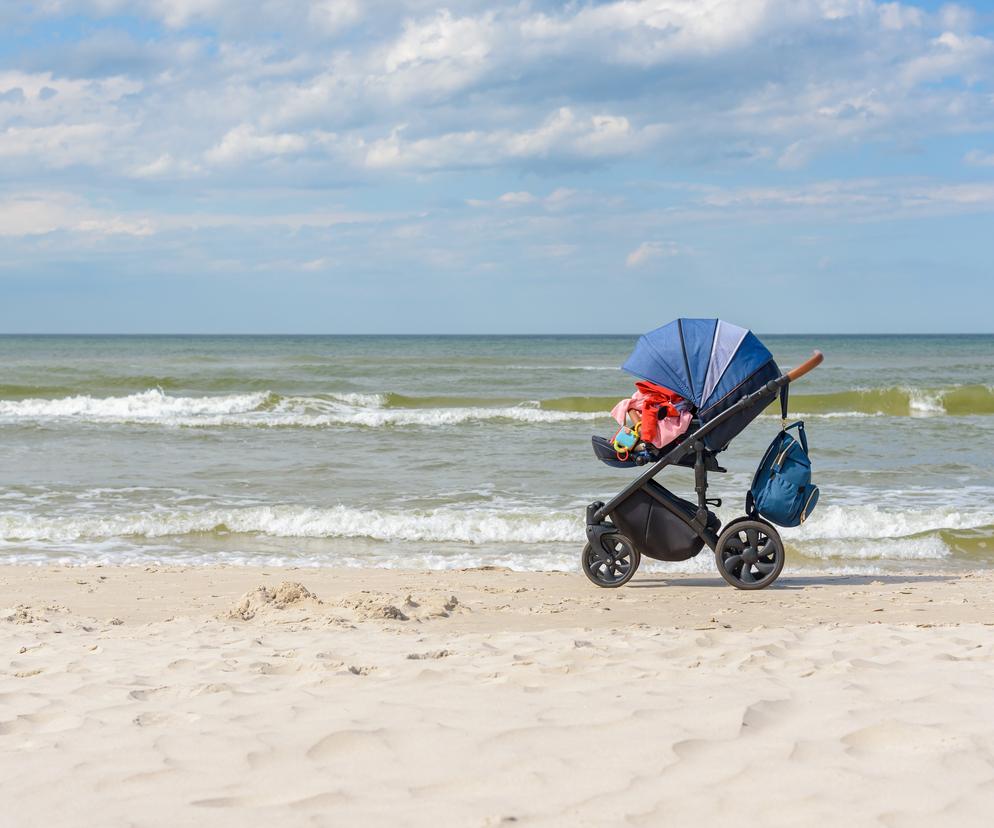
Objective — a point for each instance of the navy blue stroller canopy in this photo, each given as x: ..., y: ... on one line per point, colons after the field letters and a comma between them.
x: 710, y: 363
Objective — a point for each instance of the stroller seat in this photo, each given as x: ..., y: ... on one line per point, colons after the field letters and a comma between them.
x: 604, y: 451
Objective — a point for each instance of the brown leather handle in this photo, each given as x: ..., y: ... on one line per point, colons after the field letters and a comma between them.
x: 796, y: 373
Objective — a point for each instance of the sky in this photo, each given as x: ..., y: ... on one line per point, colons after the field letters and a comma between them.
x: 364, y: 166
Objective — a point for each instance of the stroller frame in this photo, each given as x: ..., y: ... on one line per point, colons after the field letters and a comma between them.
x: 603, y: 535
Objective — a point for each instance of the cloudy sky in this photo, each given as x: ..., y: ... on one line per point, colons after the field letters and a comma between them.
x: 371, y: 166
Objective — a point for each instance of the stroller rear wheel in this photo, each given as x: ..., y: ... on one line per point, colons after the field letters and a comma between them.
x: 612, y: 562
x: 749, y: 554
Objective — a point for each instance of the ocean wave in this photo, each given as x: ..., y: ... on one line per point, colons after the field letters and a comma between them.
x: 153, y: 404
x: 835, y: 534
x: 266, y: 409
x: 927, y: 548
x: 518, y: 559
x: 563, y: 367
x: 368, y: 409
x: 853, y: 522
x: 443, y: 525
x: 900, y: 401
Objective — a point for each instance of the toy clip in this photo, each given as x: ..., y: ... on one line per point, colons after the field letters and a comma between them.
x: 625, y: 440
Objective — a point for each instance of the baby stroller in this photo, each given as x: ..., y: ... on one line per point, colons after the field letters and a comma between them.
x: 726, y: 377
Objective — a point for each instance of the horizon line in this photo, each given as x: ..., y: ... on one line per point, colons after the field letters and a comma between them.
x: 469, y: 335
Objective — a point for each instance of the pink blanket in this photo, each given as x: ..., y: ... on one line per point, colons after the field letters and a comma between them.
x: 667, y: 428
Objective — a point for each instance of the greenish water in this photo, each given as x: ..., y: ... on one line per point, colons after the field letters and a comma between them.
x: 456, y: 451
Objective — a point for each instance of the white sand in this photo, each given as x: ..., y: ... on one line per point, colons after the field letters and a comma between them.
x: 140, y: 697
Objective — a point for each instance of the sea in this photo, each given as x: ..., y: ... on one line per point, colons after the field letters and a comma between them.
x: 439, y: 452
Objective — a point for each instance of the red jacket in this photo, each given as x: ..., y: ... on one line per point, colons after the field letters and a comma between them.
x: 656, y: 402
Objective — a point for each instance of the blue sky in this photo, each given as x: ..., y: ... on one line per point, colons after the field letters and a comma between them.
x: 340, y: 166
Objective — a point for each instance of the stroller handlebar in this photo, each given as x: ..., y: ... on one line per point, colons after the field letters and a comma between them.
x: 796, y: 373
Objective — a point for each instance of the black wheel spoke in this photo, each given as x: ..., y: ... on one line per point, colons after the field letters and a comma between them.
x: 733, y: 563
x: 746, y: 574
x: 753, y: 536
x: 764, y: 567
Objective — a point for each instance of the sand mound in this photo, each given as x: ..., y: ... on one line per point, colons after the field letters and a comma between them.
x: 368, y: 605
x: 24, y: 614
x: 19, y: 615
x: 264, y: 600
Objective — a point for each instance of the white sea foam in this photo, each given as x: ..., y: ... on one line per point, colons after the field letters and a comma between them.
x: 563, y: 367
x: 825, y: 415
x: 926, y: 548
x: 153, y: 404
x: 264, y: 409
x: 518, y: 537
x: 519, y: 558
x: 375, y: 418
x: 362, y: 400
x: 525, y: 560
x: 925, y: 403
x: 862, y: 522
x: 478, y: 526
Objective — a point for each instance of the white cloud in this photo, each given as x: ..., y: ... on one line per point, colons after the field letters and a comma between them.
x: 650, y: 32
x: 948, y: 55
x: 977, y: 158
x: 559, y: 200
x: 508, y: 85
x: 897, y: 16
x: 35, y: 214
x: 517, y: 198
x: 245, y: 143
x: 57, y: 145
x: 853, y: 200
x: 317, y: 220
x: 649, y: 250
x: 442, y: 38
x: 332, y: 16
x: 165, y: 166
x: 564, y: 134
x: 979, y: 194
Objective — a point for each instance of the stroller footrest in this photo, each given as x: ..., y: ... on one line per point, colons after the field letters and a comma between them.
x: 604, y: 451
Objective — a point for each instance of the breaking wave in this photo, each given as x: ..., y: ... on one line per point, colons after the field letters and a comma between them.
x: 837, y: 537
x: 442, y: 525
x: 900, y: 401
x: 861, y: 522
x: 266, y: 409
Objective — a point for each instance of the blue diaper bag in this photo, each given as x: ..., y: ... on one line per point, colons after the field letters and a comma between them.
x: 782, y: 491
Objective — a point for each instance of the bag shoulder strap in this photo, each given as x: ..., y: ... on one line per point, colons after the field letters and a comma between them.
x: 803, y: 437
x: 783, y: 406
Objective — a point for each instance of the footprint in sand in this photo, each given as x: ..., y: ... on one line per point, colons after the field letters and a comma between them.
x: 896, y: 737
x: 351, y: 744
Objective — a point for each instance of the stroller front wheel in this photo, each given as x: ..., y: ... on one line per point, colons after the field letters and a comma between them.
x: 612, y: 562
x: 749, y: 554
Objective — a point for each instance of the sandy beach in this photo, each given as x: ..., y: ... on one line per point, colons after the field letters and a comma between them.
x: 238, y: 696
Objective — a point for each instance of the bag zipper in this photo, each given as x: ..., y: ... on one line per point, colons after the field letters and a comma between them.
x: 804, y: 511
x: 783, y: 453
